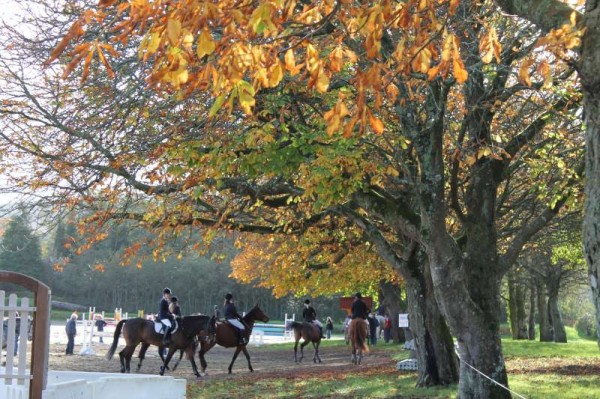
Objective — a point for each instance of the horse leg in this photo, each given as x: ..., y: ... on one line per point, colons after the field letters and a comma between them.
x: 302, y: 345
x: 179, y: 360
x: 128, y: 355
x: 317, y: 357
x: 204, y: 347
x: 122, y: 360
x: 167, y: 360
x: 247, y: 358
x: 189, y: 351
x: 296, y: 352
x: 235, y: 355
x: 142, y: 355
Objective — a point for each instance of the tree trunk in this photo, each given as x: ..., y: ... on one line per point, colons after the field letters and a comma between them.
x: 558, y: 327
x: 436, y: 359
x: 545, y: 327
x: 590, y: 78
x: 392, y: 300
x: 531, y: 322
x: 516, y: 306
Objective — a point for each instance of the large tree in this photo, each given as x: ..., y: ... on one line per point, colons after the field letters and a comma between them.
x: 437, y: 81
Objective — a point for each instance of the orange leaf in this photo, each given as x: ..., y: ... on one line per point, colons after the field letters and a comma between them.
x: 460, y: 73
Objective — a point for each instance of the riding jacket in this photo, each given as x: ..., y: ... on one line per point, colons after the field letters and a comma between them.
x: 230, y: 311
x: 309, y: 314
x: 163, y: 310
x: 359, y: 309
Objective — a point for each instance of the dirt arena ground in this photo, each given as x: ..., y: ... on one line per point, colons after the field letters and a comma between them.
x: 266, y: 360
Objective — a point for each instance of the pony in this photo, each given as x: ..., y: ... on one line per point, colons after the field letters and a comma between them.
x: 357, y: 333
x: 226, y: 336
x: 311, y: 334
x: 139, y: 330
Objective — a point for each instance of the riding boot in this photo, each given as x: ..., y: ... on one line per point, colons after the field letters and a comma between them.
x: 321, y: 330
x: 241, y: 339
x: 166, y: 337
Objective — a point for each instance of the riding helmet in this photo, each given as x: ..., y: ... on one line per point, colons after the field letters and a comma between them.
x: 167, y: 291
x: 174, y: 299
x: 307, y: 301
x: 228, y: 297
x: 358, y: 295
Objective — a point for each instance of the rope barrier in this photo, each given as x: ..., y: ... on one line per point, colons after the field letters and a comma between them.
x: 489, y: 378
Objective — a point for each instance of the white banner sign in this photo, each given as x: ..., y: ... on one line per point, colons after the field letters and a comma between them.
x: 403, y: 320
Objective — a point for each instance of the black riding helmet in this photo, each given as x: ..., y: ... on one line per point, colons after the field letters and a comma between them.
x: 307, y: 301
x: 167, y: 291
x: 174, y: 299
x: 228, y: 297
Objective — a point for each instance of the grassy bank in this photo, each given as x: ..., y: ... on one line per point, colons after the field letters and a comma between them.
x: 536, y: 371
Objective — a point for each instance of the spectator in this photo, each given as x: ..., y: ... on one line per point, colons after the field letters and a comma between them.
x: 71, y: 330
x: 328, y: 327
x: 387, y: 329
x: 373, y: 324
x: 100, y: 323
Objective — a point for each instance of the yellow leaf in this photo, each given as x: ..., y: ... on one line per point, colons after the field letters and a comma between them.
x: 188, y: 39
x: 376, y: 123
x: 290, y: 60
x: 275, y: 75
x: 524, y: 72
x: 392, y: 92
x: 336, y: 60
x: 460, y: 73
x: 173, y: 31
x: 206, y: 45
x: 322, y: 83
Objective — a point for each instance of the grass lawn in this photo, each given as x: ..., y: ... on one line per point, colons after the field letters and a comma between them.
x: 536, y: 370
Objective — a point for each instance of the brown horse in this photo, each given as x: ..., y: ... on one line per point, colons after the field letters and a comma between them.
x: 227, y: 337
x: 357, y: 332
x: 311, y: 334
x: 138, y: 330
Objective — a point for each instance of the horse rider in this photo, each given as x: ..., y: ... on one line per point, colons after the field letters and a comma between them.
x: 360, y: 309
x: 309, y: 314
x: 233, y: 318
x: 174, y: 308
x: 165, y: 317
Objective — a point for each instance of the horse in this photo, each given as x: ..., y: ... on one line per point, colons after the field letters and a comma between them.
x: 226, y: 336
x: 357, y: 333
x: 310, y: 333
x: 139, y: 330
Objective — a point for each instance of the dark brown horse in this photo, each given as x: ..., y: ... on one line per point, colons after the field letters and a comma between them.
x: 357, y: 332
x: 311, y: 334
x: 138, y: 330
x: 227, y: 337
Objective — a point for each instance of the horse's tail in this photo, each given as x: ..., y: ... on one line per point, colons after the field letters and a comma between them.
x: 295, y: 325
x: 115, y: 342
x: 358, y: 334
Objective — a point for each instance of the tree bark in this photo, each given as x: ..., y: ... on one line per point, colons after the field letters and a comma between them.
x: 531, y: 321
x: 558, y: 327
x: 436, y: 359
x: 545, y: 327
x: 590, y: 77
x: 516, y: 305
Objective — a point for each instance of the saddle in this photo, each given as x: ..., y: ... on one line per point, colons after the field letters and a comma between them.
x: 158, y: 326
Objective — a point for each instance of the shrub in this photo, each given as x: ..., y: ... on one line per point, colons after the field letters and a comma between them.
x: 586, y: 326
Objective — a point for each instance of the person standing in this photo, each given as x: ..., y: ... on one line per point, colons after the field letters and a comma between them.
x: 233, y: 318
x: 71, y: 330
x: 309, y: 314
x: 373, y: 324
x: 328, y: 327
x: 100, y: 324
x: 387, y: 329
x: 165, y: 316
